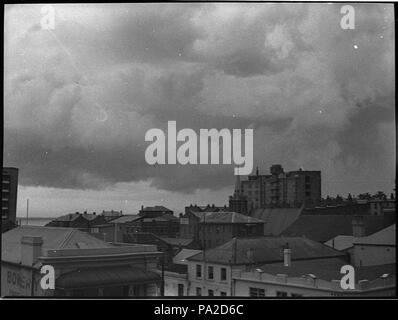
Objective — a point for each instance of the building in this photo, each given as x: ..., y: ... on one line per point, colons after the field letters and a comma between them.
x: 210, y: 273
x: 176, y: 274
x: 314, y: 278
x: 189, y: 221
x: 110, y: 215
x: 211, y: 229
x: 155, y: 222
x: 168, y: 246
x: 84, y: 265
x: 9, y: 193
x: 282, y: 189
x: 216, y: 228
x: 83, y: 221
x: 239, y: 202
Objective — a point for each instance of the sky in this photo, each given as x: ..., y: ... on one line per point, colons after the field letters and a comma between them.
x: 79, y: 99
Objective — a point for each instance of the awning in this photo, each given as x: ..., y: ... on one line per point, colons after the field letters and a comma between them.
x: 105, y: 277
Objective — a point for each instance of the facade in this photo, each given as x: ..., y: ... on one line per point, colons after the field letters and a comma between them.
x: 84, y: 266
x: 278, y: 282
x: 282, y: 189
x: 176, y: 275
x: 210, y: 273
x: 189, y: 221
x: 9, y: 190
x: 211, y: 229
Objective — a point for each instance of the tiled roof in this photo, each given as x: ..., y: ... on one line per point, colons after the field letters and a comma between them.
x: 325, y: 227
x: 276, y: 219
x: 326, y: 269
x: 228, y: 217
x: 54, y: 238
x: 266, y: 249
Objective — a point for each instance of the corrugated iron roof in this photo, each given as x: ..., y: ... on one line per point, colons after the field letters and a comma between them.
x: 266, y: 249
x: 54, y: 238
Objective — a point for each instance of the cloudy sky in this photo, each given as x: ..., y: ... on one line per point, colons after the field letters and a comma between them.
x: 79, y: 98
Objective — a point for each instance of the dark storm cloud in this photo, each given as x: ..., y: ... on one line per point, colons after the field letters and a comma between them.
x: 78, y: 101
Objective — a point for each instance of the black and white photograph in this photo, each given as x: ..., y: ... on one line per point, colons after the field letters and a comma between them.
x: 199, y: 150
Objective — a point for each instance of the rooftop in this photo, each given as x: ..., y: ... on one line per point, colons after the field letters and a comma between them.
x: 54, y: 238
x: 266, y: 250
x: 276, y: 219
x: 76, y: 215
x: 126, y: 218
x: 228, y: 217
x: 177, y: 241
x: 327, y: 269
x: 184, y: 254
x: 382, y: 237
x: 325, y: 227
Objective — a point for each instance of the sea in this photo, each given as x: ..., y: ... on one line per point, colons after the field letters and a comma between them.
x: 33, y: 221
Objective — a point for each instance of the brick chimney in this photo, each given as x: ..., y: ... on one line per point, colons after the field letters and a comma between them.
x: 358, y: 227
x: 31, y: 249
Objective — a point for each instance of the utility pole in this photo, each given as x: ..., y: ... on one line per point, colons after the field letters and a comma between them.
x: 162, y: 285
x: 27, y: 211
x: 204, y: 252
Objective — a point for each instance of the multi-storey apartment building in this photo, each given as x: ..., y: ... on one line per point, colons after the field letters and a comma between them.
x: 9, y: 188
x: 282, y: 189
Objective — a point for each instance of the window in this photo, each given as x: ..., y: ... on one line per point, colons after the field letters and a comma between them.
x: 211, y: 293
x: 223, y: 274
x: 210, y: 272
x: 198, y: 271
x: 281, y: 294
x: 223, y: 294
x: 296, y: 295
x: 180, y: 290
x: 198, y: 291
x: 256, y: 292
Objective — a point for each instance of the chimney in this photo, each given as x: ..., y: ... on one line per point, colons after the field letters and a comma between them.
x: 358, y: 227
x: 30, y: 249
x: 287, y: 257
